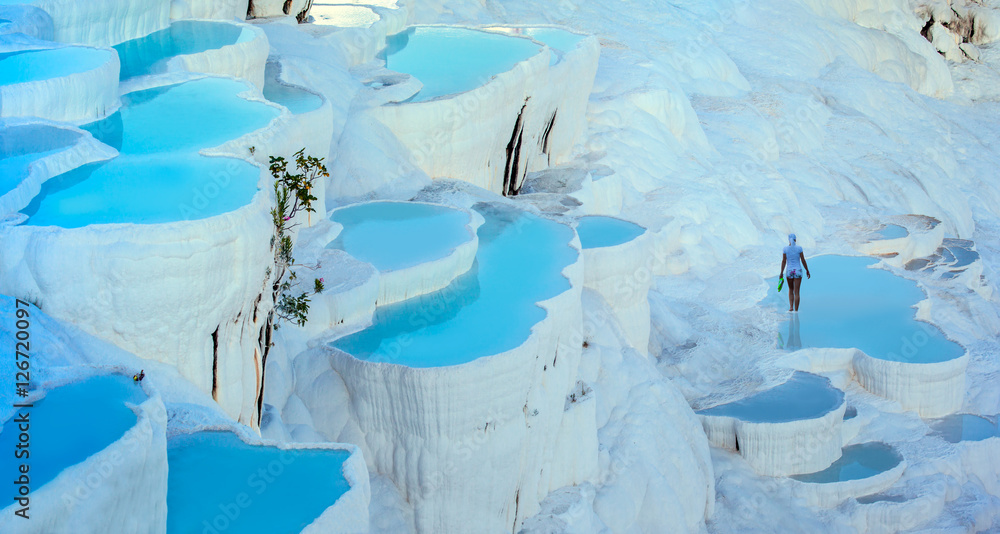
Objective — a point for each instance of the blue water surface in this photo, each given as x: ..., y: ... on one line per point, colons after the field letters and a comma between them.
x: 218, y: 481
x: 70, y: 424
x: 297, y: 100
x: 803, y: 396
x: 598, y: 231
x: 846, y: 304
x: 159, y: 176
x: 35, y: 65
x: 397, y: 235
x: 149, y: 54
x: 857, y: 462
x: 489, y: 310
x: 965, y: 427
x: 450, y: 60
x: 23, y: 144
x: 558, y: 40
x: 893, y: 231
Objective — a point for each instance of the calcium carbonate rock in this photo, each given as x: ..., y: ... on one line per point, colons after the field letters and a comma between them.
x: 38, y: 150
x: 405, y: 281
x: 26, y: 19
x: 777, y: 431
x: 122, y: 488
x: 923, y: 236
x: 352, y: 30
x: 85, y: 90
x: 118, y: 282
x: 438, y: 432
x: 519, y: 120
x: 930, y: 389
x: 828, y: 488
x: 350, y: 290
x: 619, y: 271
x: 244, y: 60
x: 209, y: 9
x: 104, y: 22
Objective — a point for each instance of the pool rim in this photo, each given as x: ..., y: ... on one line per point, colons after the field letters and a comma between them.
x: 572, y: 271
x: 379, y: 56
x: 645, y: 231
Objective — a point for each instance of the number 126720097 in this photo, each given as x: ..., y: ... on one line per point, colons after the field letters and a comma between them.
x: 22, y: 346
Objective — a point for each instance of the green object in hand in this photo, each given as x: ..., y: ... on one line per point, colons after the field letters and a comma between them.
x: 781, y: 283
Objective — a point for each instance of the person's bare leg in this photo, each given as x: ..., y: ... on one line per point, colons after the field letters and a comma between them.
x: 796, y: 285
x: 791, y: 295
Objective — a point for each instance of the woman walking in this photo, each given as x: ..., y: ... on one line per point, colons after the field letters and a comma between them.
x: 793, y: 257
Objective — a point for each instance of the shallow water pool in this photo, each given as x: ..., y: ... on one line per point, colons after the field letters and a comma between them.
x: 144, y: 190
x: 598, y: 231
x: 265, y: 489
x: 21, y: 145
x: 35, y: 65
x: 149, y: 54
x: 451, y: 60
x: 186, y: 117
x: 803, y: 396
x: 857, y: 462
x: 964, y: 427
x: 397, y: 235
x: 558, y: 40
x: 893, y: 231
x: 486, y: 311
x: 846, y: 304
x: 298, y: 101
x: 159, y: 176
x: 70, y: 424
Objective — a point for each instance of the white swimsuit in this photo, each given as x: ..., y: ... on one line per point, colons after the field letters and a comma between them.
x: 793, y: 267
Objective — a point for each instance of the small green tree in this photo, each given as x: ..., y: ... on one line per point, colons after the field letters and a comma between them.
x: 292, y: 195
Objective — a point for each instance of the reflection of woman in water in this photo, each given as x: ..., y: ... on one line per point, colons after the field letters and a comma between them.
x: 793, y: 257
x: 794, y: 339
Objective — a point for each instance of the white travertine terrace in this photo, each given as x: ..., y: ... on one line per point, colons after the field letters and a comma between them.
x: 19, y: 135
x: 131, y: 493
x: 77, y: 97
x: 621, y: 274
x: 504, y: 417
x: 397, y: 285
x: 215, y: 9
x: 930, y: 389
x: 785, y: 447
x: 466, y: 136
x: 104, y: 22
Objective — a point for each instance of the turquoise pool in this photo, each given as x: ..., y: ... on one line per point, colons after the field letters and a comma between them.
x: 558, y: 40
x: 159, y: 176
x: 965, y: 427
x: 803, y: 396
x: 70, y: 424
x: 296, y: 99
x: 21, y: 145
x: 893, y: 231
x: 857, y: 462
x: 149, y: 54
x: 35, y: 65
x: 597, y: 231
x: 397, y: 235
x: 186, y: 117
x: 218, y: 481
x: 846, y: 304
x: 451, y: 60
x: 489, y: 310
